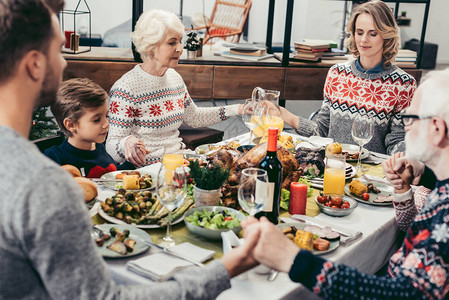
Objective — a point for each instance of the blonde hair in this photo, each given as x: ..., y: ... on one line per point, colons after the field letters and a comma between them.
x: 152, y: 27
x: 385, y: 25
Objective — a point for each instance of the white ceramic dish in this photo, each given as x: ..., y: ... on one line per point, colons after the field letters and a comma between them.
x: 333, y: 245
x: 114, y: 220
x: 117, y: 185
x: 213, y: 234
x: 134, y: 234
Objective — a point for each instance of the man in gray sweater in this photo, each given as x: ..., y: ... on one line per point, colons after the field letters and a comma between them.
x: 45, y: 245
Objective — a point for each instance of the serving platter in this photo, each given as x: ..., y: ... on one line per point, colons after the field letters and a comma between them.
x: 114, y: 220
x: 386, y: 190
x: 118, y: 185
x: 135, y: 234
x: 333, y: 244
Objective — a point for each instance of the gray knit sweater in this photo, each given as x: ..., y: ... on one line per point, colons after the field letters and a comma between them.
x: 349, y: 92
x: 45, y: 246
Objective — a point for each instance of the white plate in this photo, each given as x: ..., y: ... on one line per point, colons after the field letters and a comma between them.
x: 114, y: 220
x: 333, y: 245
x: 352, y: 149
x: 385, y: 190
x: 113, y: 185
x: 319, y: 140
x: 134, y: 234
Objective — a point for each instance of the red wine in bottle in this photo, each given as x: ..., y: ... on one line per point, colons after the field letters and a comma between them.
x: 273, y: 166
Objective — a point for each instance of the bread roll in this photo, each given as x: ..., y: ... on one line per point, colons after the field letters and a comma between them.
x: 89, y: 188
x: 72, y: 170
x: 131, y: 182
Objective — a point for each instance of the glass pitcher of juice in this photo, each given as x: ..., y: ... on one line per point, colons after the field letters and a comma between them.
x: 270, y: 115
x: 334, y: 174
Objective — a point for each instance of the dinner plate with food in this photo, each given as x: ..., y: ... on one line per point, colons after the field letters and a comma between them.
x: 117, y: 241
x: 140, y: 209
x: 207, y: 148
x: 313, y: 238
x: 352, y: 152
x: 128, y: 180
x: 378, y: 194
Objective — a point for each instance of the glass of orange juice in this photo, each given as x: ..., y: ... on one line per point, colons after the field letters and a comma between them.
x: 334, y: 174
x: 173, y: 156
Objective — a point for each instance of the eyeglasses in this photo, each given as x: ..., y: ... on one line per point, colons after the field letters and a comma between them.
x: 409, y: 119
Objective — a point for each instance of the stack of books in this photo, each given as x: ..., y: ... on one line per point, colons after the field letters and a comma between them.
x: 406, y: 57
x: 313, y: 50
x: 247, y: 52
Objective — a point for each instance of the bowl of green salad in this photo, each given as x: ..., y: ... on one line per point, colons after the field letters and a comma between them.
x: 210, y: 221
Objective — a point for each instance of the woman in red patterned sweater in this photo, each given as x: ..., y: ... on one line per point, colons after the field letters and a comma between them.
x: 370, y: 85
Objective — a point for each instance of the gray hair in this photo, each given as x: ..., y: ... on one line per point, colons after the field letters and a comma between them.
x: 435, y: 95
x: 152, y: 27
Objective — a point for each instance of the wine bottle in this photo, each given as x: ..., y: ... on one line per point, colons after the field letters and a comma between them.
x: 273, y: 166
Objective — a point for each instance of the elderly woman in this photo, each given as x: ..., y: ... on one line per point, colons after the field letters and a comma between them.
x: 149, y: 103
x: 370, y: 85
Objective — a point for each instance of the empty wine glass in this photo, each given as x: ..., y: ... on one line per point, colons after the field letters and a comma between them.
x: 251, y: 116
x: 253, y: 190
x: 171, y: 191
x: 362, y: 133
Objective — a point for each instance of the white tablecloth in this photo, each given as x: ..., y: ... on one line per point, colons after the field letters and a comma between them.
x: 368, y: 254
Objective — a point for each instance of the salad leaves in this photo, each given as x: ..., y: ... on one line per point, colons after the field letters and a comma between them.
x: 213, y: 220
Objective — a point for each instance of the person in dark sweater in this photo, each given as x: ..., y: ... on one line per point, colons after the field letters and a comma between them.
x: 420, y: 268
x: 81, y: 110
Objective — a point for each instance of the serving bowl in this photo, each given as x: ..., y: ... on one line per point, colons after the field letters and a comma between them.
x: 213, y: 234
x: 244, y: 148
x: 337, y: 212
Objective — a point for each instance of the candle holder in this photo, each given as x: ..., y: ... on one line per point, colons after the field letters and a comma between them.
x: 71, y: 33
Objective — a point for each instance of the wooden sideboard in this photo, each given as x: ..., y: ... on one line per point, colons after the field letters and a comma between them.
x: 211, y: 77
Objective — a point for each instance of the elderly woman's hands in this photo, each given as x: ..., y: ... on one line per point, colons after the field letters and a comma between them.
x: 273, y: 249
x: 135, y: 151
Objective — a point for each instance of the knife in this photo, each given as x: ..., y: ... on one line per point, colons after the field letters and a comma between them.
x: 351, y: 236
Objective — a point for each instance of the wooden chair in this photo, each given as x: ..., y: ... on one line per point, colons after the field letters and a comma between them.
x: 227, y: 21
x: 49, y: 141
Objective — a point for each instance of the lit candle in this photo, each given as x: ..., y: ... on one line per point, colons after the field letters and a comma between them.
x: 298, y: 198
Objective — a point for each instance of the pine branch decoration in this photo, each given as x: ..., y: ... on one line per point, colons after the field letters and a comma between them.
x: 209, y: 177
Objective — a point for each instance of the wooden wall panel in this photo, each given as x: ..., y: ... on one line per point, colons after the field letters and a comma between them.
x: 231, y: 82
x: 305, y: 83
x: 105, y: 73
x: 199, y: 80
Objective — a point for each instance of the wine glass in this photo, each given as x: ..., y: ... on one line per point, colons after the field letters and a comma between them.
x: 362, y: 133
x: 171, y: 191
x: 251, y: 116
x: 253, y: 190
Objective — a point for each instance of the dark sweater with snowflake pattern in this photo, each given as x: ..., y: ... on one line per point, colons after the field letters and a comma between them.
x: 418, y: 270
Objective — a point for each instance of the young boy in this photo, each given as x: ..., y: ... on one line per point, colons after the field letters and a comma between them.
x: 81, y: 110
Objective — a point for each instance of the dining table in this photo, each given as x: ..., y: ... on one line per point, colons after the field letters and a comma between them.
x: 380, y: 239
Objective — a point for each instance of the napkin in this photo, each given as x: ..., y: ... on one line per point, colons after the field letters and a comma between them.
x: 160, y: 266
